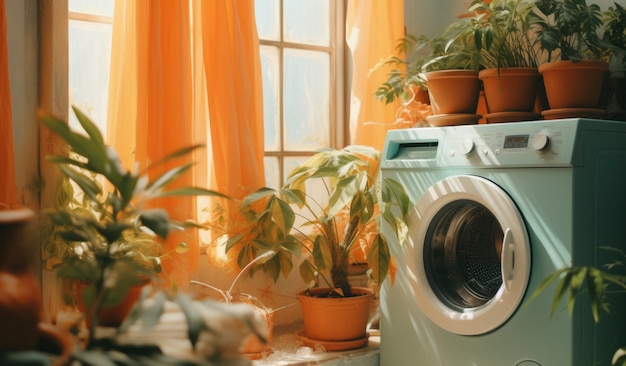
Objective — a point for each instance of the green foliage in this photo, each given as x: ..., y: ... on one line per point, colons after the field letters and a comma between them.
x: 615, y: 31
x: 496, y: 34
x: 108, y: 238
x: 502, y: 33
x: 573, y: 281
x: 569, y: 30
x: 292, y: 219
x: 407, y: 69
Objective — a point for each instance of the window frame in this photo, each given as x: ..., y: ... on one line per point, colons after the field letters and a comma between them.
x: 339, y: 97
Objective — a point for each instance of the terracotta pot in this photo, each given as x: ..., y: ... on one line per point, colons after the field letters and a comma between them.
x: 453, y: 91
x: 335, y: 319
x: 111, y: 316
x: 20, y: 293
x: 510, y: 89
x: 573, y: 84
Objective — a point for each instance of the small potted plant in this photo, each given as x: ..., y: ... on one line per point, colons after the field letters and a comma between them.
x: 294, y: 222
x: 568, y: 32
x: 451, y: 74
x: 508, y: 59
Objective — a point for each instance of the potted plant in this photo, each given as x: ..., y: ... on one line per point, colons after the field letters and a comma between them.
x: 327, y: 227
x: 508, y: 59
x: 451, y: 74
x: 110, y: 237
x: 568, y: 32
x: 405, y: 81
x: 111, y: 249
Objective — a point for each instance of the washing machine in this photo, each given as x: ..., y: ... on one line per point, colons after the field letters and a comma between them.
x: 497, y: 209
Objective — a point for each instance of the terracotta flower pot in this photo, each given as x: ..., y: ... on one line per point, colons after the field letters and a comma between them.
x: 453, y: 91
x: 510, y: 89
x: 111, y: 316
x: 19, y: 288
x: 335, y: 319
x: 573, y: 84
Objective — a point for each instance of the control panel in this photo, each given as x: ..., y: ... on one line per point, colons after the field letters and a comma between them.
x: 507, y: 144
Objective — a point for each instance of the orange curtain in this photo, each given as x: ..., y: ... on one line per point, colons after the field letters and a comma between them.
x: 167, y: 92
x: 8, y: 193
x: 373, y: 29
x: 233, y: 77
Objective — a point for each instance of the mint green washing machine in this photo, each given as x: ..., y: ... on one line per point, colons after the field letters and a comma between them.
x: 498, y: 208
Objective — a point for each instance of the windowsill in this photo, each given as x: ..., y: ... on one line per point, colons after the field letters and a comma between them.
x: 288, y: 350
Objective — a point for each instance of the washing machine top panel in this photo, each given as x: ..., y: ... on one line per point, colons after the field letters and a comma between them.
x: 521, y: 144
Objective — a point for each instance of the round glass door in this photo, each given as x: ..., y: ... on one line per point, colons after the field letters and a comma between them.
x: 469, y: 255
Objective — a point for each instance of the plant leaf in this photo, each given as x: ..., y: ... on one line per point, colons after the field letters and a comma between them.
x: 156, y: 220
x: 309, y: 273
x: 379, y: 259
x: 195, y: 322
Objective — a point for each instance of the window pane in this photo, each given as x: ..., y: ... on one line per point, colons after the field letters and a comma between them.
x: 266, y: 13
x: 89, y: 57
x: 307, y: 22
x: 293, y: 162
x: 271, y: 103
x: 95, y: 7
x: 272, y: 176
x: 306, y: 99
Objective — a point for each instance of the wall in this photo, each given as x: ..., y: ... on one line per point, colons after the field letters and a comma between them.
x: 23, y: 65
x: 431, y: 17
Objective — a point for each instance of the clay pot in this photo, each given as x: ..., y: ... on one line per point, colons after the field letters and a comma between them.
x: 20, y: 293
x: 111, y: 316
x: 453, y: 91
x: 573, y: 84
x: 332, y: 319
x: 510, y: 89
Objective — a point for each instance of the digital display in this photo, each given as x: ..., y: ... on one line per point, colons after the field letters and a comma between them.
x: 516, y: 141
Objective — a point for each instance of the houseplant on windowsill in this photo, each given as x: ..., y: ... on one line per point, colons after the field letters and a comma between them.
x: 326, y: 227
x: 568, y: 32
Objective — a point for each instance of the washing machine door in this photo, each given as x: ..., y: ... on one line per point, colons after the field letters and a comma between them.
x: 468, y: 255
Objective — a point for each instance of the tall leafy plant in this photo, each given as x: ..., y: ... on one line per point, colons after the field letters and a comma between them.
x: 294, y: 222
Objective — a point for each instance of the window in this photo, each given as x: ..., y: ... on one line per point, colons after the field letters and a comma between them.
x: 89, y: 32
x: 302, y: 62
x: 302, y: 58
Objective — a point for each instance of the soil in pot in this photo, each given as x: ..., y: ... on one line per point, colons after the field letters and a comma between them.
x: 335, y: 319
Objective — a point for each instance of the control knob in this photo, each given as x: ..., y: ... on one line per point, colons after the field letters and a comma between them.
x: 541, y: 142
x: 468, y: 146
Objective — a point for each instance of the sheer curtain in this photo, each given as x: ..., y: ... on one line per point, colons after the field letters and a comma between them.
x: 183, y: 73
x: 373, y: 29
x: 8, y: 193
